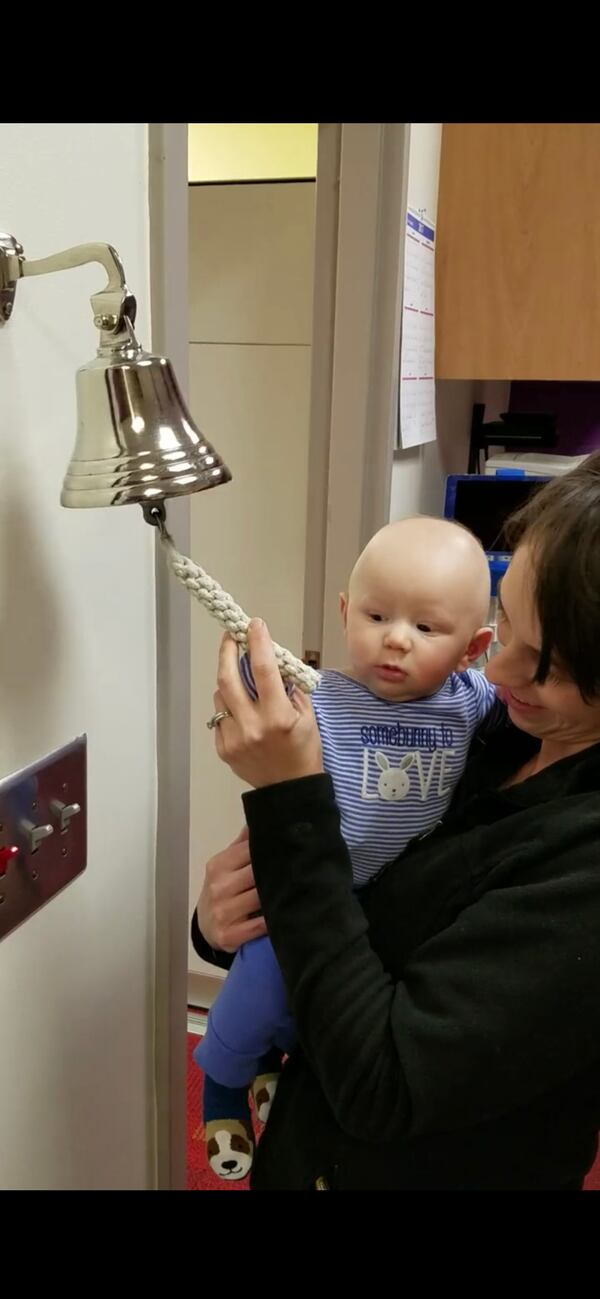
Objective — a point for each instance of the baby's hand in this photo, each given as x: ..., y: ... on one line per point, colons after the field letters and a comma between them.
x: 248, y: 678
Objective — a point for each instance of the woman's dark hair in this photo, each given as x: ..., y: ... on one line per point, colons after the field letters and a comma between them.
x: 561, y: 525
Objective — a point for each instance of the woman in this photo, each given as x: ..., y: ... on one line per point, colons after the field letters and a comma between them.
x: 449, y: 1013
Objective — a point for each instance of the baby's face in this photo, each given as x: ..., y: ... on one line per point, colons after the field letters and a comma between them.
x: 407, y: 628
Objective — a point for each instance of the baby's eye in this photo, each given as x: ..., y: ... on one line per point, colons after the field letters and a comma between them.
x: 423, y: 626
x: 376, y: 617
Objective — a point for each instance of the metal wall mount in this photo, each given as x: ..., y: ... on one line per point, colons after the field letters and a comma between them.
x: 11, y: 253
x: 43, y: 832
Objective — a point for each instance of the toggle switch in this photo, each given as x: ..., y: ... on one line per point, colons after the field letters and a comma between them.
x: 64, y: 812
x: 6, y: 856
x: 35, y: 834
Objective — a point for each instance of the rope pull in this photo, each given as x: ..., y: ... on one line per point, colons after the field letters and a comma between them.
x: 221, y: 605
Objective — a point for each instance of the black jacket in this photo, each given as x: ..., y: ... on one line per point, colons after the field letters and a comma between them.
x: 449, y: 1013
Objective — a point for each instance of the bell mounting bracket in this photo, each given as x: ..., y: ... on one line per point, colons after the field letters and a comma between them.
x: 114, y: 307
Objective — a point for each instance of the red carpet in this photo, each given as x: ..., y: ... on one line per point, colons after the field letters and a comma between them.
x: 200, y: 1176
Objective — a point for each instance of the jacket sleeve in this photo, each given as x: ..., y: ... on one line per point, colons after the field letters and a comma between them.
x: 210, y: 954
x: 500, y: 1006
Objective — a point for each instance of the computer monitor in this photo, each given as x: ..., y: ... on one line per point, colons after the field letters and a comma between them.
x: 483, y: 503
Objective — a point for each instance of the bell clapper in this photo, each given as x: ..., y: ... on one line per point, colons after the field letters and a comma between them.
x: 156, y: 515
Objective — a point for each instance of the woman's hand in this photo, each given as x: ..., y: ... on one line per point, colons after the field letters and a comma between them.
x: 274, y: 738
x: 229, y: 899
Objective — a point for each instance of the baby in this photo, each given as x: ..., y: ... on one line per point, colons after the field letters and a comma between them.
x: 395, y: 726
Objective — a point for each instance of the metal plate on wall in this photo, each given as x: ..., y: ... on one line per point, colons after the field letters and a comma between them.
x: 43, y: 832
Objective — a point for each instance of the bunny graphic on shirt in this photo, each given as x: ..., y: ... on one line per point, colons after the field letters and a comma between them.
x: 393, y: 784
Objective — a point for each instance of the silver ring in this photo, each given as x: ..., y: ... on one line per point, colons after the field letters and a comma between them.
x: 217, y: 717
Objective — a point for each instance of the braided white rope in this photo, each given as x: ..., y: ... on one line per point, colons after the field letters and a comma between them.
x: 223, y: 607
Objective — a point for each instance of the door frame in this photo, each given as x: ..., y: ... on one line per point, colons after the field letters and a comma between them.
x: 168, y: 189
x: 362, y: 182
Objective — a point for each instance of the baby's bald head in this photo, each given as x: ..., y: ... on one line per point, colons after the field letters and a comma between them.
x: 416, y: 608
x: 434, y: 555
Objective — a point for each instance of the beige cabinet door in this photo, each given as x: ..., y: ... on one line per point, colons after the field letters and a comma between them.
x: 517, y: 267
x: 251, y: 288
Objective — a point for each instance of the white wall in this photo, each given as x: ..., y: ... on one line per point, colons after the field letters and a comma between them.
x: 78, y: 654
x: 418, y: 475
x: 424, y: 167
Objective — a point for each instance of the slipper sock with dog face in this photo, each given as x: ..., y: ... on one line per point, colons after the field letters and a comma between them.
x: 228, y: 1130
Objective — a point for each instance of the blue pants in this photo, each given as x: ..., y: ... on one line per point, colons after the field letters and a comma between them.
x: 249, y: 1017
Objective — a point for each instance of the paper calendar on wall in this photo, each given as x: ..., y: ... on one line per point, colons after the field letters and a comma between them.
x: 417, y: 352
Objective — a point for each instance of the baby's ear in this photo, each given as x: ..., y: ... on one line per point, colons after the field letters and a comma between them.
x: 477, y: 647
x: 344, y: 607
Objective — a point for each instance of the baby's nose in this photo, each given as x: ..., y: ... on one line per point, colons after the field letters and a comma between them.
x: 398, y: 636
